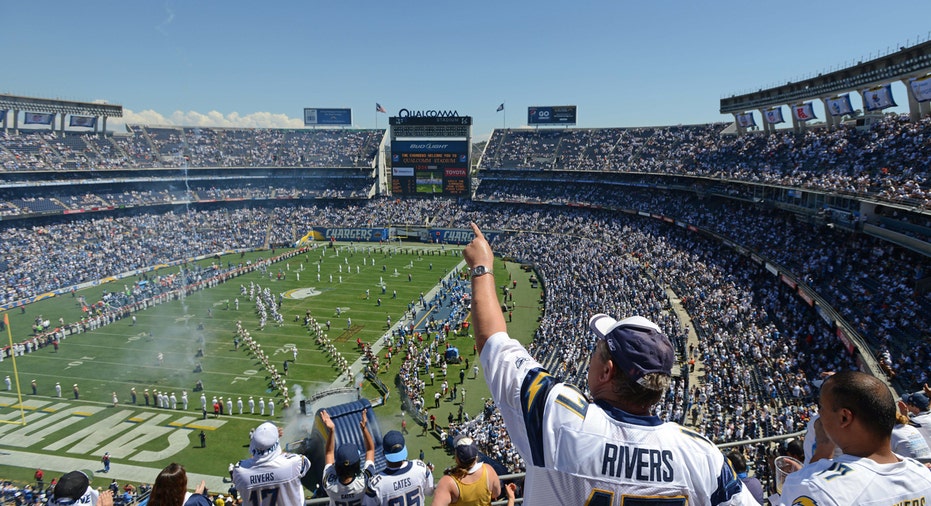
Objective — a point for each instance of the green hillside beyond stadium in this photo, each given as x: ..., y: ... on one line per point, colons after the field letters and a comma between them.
x: 65, y: 433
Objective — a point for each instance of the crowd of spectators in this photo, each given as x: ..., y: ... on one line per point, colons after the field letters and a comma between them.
x: 870, y: 282
x: 33, y: 495
x: 887, y: 161
x: 876, y: 296
x: 759, y: 344
x: 168, y: 147
x: 82, y: 198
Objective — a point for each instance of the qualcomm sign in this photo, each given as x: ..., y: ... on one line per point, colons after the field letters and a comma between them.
x: 431, y: 113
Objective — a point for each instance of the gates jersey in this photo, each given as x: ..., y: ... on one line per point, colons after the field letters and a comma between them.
x: 349, y: 494
x: 407, y: 485
x: 271, y: 480
x: 847, y: 480
x: 595, y: 454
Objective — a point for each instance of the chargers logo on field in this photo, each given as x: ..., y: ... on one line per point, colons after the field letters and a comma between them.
x: 804, y: 501
x: 302, y: 293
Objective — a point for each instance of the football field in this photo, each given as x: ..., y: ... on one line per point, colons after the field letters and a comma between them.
x: 172, y: 346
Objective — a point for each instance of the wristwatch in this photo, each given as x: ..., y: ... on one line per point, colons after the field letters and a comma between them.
x: 479, y: 270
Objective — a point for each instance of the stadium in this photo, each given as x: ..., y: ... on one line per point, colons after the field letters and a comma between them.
x: 159, y: 270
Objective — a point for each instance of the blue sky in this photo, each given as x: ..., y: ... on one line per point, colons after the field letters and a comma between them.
x: 623, y: 63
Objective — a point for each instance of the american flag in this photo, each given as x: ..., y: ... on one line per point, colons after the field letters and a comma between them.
x: 379, y: 108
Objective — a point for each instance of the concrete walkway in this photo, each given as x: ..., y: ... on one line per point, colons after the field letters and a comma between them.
x: 696, y: 377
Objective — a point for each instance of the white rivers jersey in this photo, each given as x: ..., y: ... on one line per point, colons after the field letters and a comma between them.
x: 581, y: 453
x: 848, y: 480
x: 274, y: 481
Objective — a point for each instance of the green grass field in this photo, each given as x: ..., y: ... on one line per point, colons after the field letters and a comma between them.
x: 121, y: 356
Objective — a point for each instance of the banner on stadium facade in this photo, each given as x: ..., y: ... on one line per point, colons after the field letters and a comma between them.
x: 844, y: 338
x: 745, y: 120
x: 774, y: 115
x: 840, y: 105
x: 878, y: 98
x: 37, y: 118
x: 458, y: 235
x: 803, y: 112
x: 2, y: 115
x: 552, y: 115
x: 803, y: 293
x: 83, y: 121
x: 921, y: 88
x: 349, y: 234
x: 342, y: 116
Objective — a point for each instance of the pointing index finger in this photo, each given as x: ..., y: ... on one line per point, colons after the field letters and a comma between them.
x: 477, y: 231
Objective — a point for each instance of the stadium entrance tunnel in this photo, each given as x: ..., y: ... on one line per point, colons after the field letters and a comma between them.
x: 346, y: 418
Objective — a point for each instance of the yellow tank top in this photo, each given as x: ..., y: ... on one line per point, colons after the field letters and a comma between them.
x: 474, y: 494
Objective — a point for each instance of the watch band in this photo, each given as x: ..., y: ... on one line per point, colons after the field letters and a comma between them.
x: 479, y: 270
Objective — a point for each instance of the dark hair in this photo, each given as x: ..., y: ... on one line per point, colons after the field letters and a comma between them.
x: 794, y: 448
x: 868, y: 398
x: 169, y: 487
x: 738, y: 462
x: 630, y: 390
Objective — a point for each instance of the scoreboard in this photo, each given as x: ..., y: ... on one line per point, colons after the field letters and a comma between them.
x: 430, y: 152
x: 430, y: 167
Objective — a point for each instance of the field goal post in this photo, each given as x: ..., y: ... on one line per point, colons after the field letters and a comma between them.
x: 19, y: 391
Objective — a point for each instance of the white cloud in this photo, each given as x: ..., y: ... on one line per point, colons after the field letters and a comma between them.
x: 210, y: 119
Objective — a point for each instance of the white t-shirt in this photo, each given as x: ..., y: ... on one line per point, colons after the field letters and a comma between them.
x: 922, y: 422
x: 848, y: 480
x: 586, y: 453
x: 908, y: 442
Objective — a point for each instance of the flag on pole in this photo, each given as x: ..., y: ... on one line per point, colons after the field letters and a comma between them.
x: 379, y: 108
x: 500, y: 107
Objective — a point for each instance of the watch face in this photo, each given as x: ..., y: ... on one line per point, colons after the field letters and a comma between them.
x: 479, y: 270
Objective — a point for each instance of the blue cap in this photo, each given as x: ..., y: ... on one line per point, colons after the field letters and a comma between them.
x: 637, y: 345
x: 466, y: 451
x: 917, y: 399
x: 347, y: 459
x: 394, y: 448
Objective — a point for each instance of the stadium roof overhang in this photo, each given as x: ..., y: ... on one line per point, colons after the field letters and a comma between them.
x: 47, y: 105
x: 906, y: 63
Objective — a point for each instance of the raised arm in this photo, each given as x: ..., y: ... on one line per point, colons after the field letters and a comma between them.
x: 487, y: 318
x: 494, y: 483
x: 330, y: 438
x: 367, y: 437
x: 445, y: 492
x: 511, y: 490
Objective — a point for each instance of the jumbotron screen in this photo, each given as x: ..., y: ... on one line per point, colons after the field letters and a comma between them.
x: 435, y: 167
